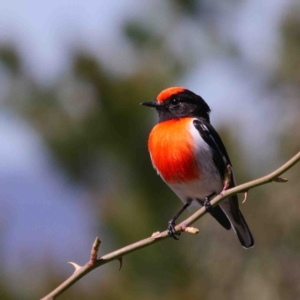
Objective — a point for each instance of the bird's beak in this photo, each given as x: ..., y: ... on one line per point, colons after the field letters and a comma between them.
x: 154, y: 104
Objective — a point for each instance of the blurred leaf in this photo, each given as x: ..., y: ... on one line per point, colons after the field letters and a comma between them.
x: 138, y: 34
x: 188, y: 7
x: 10, y: 58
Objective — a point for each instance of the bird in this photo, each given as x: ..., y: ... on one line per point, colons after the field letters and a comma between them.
x: 189, y: 155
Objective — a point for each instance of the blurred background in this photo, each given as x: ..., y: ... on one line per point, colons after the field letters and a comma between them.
x: 73, y: 144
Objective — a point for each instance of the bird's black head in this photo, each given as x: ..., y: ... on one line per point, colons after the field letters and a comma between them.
x: 178, y: 102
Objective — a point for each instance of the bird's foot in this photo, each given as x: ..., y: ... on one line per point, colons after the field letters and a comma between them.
x: 225, y: 187
x: 172, y: 231
x: 207, y: 204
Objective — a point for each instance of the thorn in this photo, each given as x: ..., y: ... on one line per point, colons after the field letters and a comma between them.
x: 76, y: 266
x: 120, y: 259
x: 280, y: 179
x: 246, y: 196
x: 95, y: 249
x: 191, y: 230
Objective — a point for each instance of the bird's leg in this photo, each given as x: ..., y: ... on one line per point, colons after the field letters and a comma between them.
x: 227, y: 179
x: 207, y: 204
x: 171, y: 225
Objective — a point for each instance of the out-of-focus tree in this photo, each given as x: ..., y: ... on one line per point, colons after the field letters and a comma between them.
x: 93, y: 124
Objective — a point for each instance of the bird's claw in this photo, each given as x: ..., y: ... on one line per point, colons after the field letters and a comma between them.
x: 172, y: 232
x: 207, y: 205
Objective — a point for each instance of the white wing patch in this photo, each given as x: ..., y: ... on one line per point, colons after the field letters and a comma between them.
x: 209, y: 181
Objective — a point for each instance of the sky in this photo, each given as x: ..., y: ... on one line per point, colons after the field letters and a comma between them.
x: 44, y: 29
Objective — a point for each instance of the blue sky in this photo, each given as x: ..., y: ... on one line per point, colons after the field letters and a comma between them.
x: 44, y: 29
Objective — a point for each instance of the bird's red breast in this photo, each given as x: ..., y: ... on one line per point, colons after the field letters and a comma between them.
x: 172, y: 152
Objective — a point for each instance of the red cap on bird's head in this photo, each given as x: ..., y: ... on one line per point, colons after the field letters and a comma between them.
x: 178, y: 102
x: 167, y: 93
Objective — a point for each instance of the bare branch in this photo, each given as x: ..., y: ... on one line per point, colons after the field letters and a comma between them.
x: 159, y: 236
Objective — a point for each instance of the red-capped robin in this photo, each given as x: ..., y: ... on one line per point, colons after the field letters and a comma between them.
x: 191, y: 158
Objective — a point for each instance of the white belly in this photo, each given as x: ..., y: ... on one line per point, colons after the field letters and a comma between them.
x: 209, y: 181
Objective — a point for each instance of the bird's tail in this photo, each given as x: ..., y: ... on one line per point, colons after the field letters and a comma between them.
x: 238, y: 222
x: 243, y: 232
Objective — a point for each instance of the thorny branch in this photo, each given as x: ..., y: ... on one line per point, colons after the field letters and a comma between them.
x: 95, y: 262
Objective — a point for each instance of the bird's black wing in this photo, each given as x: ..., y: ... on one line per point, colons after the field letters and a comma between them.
x: 222, y: 161
x: 220, y: 158
x: 212, y: 138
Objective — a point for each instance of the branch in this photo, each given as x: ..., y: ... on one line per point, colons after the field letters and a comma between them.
x: 94, y: 263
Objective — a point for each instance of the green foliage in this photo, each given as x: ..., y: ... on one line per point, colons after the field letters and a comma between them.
x: 10, y: 58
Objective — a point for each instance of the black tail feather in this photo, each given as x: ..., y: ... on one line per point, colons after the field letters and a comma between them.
x: 238, y: 222
x: 243, y: 233
x: 220, y: 216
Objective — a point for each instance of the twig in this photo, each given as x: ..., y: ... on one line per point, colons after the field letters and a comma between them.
x: 159, y: 236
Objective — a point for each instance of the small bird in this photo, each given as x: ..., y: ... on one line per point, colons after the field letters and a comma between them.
x: 190, y: 157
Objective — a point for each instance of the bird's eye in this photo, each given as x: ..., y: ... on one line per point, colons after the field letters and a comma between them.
x: 174, y: 101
